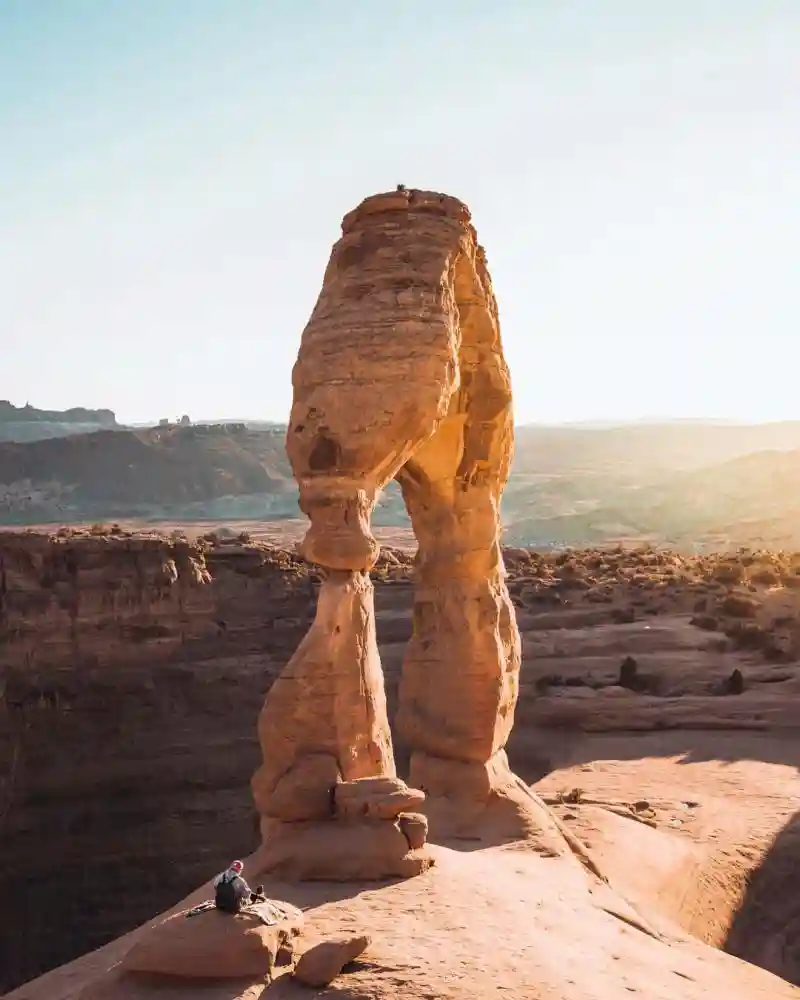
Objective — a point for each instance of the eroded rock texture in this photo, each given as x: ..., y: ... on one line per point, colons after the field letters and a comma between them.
x: 406, y: 302
x: 331, y: 693
x: 378, y: 363
x: 324, y: 732
x: 401, y: 374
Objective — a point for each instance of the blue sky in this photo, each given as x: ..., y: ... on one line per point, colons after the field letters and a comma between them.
x: 173, y: 174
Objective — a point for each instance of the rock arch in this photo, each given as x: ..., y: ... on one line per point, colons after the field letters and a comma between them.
x: 401, y: 374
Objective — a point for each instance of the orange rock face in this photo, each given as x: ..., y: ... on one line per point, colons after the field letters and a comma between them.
x: 378, y: 363
x: 330, y: 699
x: 401, y: 374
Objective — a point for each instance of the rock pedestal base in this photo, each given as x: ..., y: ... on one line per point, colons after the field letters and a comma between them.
x: 375, y: 831
x: 484, y: 802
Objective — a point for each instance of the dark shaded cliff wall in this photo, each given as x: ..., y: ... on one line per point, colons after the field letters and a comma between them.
x: 132, y: 670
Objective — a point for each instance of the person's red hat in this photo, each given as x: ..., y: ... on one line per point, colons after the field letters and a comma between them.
x: 237, y: 865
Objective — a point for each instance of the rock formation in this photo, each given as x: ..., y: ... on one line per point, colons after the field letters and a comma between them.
x: 214, y: 945
x: 400, y: 374
x: 122, y: 650
x: 330, y: 802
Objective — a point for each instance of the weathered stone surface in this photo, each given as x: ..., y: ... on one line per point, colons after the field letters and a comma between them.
x: 305, y: 791
x: 323, y: 962
x: 469, y: 799
x: 461, y: 673
x: 213, y: 945
x: 376, y: 798
x: 362, y: 851
x: 407, y: 298
x: 329, y: 698
x: 166, y: 717
x: 387, y: 315
x: 152, y: 680
x: 415, y: 828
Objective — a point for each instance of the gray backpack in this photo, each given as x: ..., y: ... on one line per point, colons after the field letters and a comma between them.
x: 231, y: 894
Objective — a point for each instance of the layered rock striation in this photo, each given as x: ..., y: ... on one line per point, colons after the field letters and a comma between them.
x: 407, y: 301
x: 330, y: 802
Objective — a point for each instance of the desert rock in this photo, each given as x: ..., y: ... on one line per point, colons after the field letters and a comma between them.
x: 323, y: 962
x: 378, y: 798
x: 414, y: 827
x: 323, y: 727
x: 329, y: 698
x: 387, y: 316
x: 305, y: 791
x: 363, y: 850
x: 213, y: 945
x: 406, y: 297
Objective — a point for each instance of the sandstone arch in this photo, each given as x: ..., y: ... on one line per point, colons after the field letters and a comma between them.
x: 401, y: 374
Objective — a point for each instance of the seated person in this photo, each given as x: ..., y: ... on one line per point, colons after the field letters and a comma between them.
x: 231, y: 891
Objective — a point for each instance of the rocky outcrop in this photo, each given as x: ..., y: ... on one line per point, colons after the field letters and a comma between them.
x: 389, y: 306
x: 128, y: 715
x: 407, y: 299
x: 322, y: 963
x: 132, y: 671
x: 215, y: 945
x: 327, y: 793
x: 386, y: 316
x: 27, y: 423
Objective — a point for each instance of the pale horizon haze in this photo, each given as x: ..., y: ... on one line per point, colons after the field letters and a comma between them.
x: 173, y: 174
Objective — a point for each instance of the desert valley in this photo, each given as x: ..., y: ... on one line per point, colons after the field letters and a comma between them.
x: 563, y: 768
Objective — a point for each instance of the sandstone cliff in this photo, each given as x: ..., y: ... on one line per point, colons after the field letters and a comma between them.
x: 117, y: 748
x: 132, y: 670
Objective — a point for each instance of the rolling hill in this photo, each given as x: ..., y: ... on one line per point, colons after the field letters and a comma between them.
x: 691, y: 485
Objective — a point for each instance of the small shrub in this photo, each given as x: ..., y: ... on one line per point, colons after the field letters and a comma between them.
x: 707, y: 622
x: 734, y: 684
x: 749, y: 635
x: 765, y: 576
x: 628, y: 671
x: 739, y: 606
x: 728, y: 572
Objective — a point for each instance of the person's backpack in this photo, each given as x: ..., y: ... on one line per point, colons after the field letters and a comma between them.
x: 229, y: 895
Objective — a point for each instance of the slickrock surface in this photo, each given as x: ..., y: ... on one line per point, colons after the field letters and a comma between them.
x: 214, y: 945
x: 407, y: 298
x: 154, y: 762
x: 478, y: 924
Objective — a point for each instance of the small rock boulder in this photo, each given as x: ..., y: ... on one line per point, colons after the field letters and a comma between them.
x: 414, y: 827
x: 213, y: 945
x: 323, y: 962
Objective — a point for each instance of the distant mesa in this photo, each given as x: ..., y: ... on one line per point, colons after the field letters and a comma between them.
x: 75, y: 415
x: 27, y: 423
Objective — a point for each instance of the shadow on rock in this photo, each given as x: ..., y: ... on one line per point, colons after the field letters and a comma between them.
x: 766, y: 928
